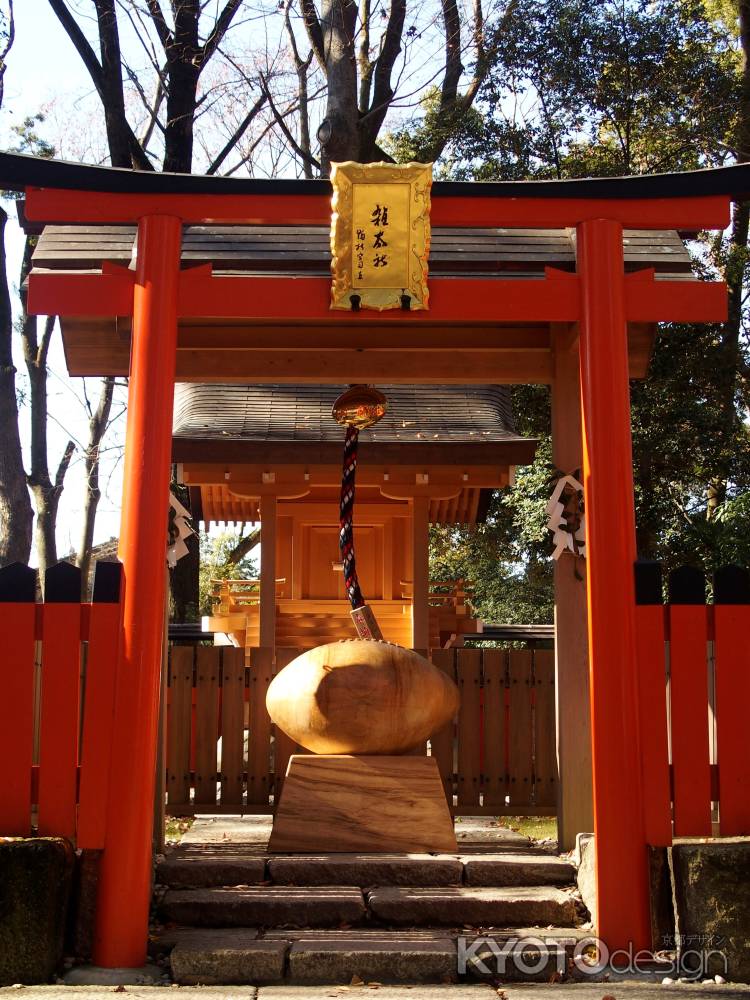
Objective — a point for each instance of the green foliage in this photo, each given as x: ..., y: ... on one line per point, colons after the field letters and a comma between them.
x: 579, y: 89
x: 506, y: 559
x: 216, y: 564
x: 29, y: 140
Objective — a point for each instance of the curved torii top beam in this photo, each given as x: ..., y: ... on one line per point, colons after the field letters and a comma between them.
x: 692, y: 200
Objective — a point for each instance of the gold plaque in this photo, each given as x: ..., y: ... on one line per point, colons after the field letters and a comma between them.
x: 380, y: 235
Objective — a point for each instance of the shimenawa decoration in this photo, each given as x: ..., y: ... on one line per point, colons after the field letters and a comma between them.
x: 380, y: 235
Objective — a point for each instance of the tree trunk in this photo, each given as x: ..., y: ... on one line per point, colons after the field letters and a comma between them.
x: 97, y: 426
x: 46, y: 493
x: 338, y: 132
x: 16, y: 515
x: 184, y: 64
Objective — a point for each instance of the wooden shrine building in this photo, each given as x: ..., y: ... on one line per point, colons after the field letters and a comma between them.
x: 559, y: 283
x: 272, y: 453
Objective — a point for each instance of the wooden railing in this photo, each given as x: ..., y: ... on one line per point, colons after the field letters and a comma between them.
x: 694, y: 691
x: 224, y: 754
x: 57, y: 672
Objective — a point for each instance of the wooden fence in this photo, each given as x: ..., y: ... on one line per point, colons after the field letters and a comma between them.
x: 224, y: 754
x: 57, y: 670
x: 695, y: 742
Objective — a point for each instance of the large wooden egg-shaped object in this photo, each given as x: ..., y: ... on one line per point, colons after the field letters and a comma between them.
x: 361, y: 697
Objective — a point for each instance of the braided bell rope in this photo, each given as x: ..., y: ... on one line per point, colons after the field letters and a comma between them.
x: 346, y: 518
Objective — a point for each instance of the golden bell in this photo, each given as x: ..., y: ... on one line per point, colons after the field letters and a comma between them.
x: 360, y: 406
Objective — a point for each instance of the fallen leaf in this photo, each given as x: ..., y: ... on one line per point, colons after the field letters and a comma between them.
x: 356, y: 981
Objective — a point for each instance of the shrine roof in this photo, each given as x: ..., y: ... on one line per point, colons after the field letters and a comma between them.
x: 19, y: 171
x: 482, y: 252
x: 436, y: 424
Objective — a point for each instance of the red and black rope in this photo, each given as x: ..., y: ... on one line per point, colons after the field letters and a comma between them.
x: 346, y: 515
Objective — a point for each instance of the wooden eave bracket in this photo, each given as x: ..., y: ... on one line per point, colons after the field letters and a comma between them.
x: 650, y: 301
x: 55, y: 293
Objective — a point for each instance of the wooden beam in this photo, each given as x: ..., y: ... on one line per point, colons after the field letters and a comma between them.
x: 457, y: 474
x: 344, y: 366
x: 575, y: 805
x: 360, y: 334
x: 268, y: 511
x: 420, y: 572
x: 294, y: 298
x: 429, y: 491
x: 60, y: 205
x: 650, y: 301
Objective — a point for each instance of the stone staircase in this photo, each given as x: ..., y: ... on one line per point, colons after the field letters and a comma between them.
x: 231, y: 913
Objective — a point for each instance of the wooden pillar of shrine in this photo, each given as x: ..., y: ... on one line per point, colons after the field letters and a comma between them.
x: 420, y: 573
x: 575, y: 796
x: 268, y: 511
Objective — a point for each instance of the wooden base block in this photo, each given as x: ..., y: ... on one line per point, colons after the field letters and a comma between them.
x: 341, y: 802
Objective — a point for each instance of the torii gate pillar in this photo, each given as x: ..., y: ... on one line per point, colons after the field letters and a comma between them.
x: 621, y: 862
x: 125, y: 877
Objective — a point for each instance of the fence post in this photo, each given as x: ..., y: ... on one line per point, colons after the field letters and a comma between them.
x: 17, y: 626
x: 61, y: 680
x: 652, y: 703
x: 105, y: 622
x: 688, y: 642
x: 732, y: 660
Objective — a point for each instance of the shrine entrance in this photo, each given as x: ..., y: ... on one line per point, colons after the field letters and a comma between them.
x: 585, y: 328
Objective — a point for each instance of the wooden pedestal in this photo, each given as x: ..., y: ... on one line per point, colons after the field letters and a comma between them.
x: 340, y: 802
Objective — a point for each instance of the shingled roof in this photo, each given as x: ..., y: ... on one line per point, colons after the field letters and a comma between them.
x: 306, y: 249
x: 423, y: 421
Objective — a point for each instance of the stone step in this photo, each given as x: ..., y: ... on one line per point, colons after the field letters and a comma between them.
x: 212, y: 865
x: 268, y: 906
x: 225, y: 957
x: 366, y: 870
x: 473, y: 906
x: 234, y: 955
x: 232, y: 865
x: 517, y: 869
x: 375, y: 957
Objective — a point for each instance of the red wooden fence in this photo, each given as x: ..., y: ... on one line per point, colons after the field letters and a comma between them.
x: 57, y: 675
x: 694, y: 693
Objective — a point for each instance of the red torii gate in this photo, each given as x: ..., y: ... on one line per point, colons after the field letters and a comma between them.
x: 600, y: 297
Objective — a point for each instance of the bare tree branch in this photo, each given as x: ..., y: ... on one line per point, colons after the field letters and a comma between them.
x: 79, y: 40
x: 305, y: 157
x: 124, y: 148
x: 382, y: 93
x: 98, y: 424
x: 10, y: 38
x: 314, y: 31
x: 453, y: 65
x: 302, y: 67
x: 223, y: 21
x: 162, y: 28
x: 62, y: 467
x: 237, y: 134
x: 366, y: 65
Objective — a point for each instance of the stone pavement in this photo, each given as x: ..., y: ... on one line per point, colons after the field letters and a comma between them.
x: 477, y: 832
x: 580, y: 991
